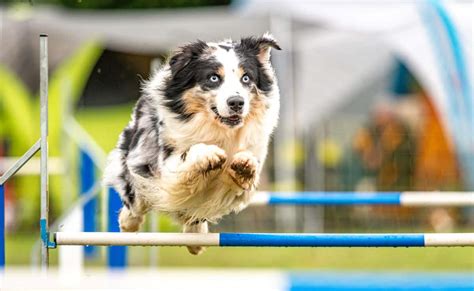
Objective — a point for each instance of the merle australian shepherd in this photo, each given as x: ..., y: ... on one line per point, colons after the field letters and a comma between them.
x: 198, y: 136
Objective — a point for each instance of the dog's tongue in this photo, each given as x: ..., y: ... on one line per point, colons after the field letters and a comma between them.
x: 234, y: 117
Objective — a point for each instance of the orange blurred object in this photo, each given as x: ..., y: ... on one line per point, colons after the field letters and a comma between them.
x: 436, y: 166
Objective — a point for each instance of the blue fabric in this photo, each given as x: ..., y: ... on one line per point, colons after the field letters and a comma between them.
x: 467, y: 106
x: 455, y: 78
x: 458, y: 54
x: 401, y: 80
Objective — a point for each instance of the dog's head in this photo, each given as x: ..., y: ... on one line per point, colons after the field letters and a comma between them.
x: 222, y: 80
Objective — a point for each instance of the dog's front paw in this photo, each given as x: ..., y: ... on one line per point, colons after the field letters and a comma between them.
x: 205, y: 158
x: 243, y: 169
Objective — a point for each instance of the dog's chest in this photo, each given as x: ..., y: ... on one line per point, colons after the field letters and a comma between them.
x: 247, y: 137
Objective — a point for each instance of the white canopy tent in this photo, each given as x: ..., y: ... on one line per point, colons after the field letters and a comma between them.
x: 433, y: 39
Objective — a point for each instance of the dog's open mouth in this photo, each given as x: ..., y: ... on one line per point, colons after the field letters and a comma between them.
x: 231, y: 121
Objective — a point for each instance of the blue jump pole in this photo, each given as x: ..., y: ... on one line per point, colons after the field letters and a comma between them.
x: 87, y: 172
x: 117, y: 255
x: 2, y: 226
x: 334, y: 198
x: 320, y: 240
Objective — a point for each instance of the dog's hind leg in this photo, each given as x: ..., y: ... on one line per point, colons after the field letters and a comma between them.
x: 132, y: 216
x: 128, y: 221
x: 198, y: 226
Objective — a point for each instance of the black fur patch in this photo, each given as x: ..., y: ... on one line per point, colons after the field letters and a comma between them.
x: 196, y: 222
x: 136, y: 138
x: 126, y: 203
x: 127, y: 136
x: 130, y: 193
x: 248, y: 51
x: 138, y: 108
x: 185, y: 55
x: 205, y: 70
x: 256, y: 44
x: 226, y: 47
x: 184, y: 155
x: 187, y: 69
x: 167, y: 151
x: 143, y: 170
x: 155, y: 123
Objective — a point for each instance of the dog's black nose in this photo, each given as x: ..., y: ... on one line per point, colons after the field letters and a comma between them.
x: 236, y: 103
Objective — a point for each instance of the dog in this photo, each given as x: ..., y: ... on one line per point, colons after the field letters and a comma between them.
x: 198, y: 135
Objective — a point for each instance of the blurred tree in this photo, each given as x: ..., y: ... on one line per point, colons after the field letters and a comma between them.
x: 21, y: 130
x: 125, y: 4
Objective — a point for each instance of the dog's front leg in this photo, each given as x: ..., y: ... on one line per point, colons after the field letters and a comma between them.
x: 244, y: 170
x: 188, y: 173
x: 200, y: 163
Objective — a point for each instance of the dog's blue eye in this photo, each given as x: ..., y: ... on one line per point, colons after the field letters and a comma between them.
x: 245, y: 79
x: 214, y: 78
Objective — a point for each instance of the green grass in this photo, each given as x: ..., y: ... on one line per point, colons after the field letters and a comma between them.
x: 427, y: 259
x: 104, y: 124
x: 18, y: 249
x: 454, y: 259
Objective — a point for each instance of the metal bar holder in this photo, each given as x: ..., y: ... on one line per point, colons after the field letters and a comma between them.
x: 42, y: 146
x: 44, y: 223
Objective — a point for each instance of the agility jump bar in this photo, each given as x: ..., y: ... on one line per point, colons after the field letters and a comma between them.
x: 264, y: 239
x: 365, y: 198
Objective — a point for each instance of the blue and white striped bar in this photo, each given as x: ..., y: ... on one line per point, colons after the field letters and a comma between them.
x: 365, y: 198
x: 265, y: 239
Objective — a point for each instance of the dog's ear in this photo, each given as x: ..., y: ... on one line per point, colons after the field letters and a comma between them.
x: 260, y: 46
x: 185, y: 54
